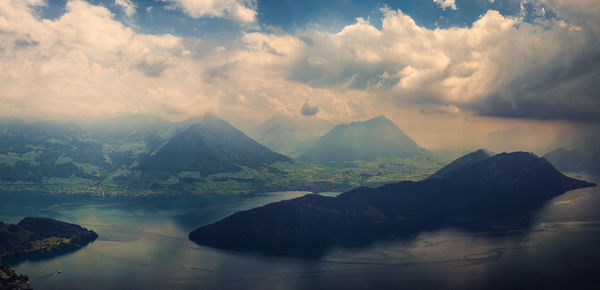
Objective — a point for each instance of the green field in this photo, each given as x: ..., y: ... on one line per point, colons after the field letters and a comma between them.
x: 278, y: 176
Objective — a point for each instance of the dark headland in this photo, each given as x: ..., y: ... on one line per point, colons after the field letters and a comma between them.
x: 475, y: 187
x: 36, y: 235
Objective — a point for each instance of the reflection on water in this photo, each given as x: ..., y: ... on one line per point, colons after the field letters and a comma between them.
x: 143, y: 244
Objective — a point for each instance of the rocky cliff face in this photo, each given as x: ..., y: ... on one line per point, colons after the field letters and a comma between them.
x: 10, y: 280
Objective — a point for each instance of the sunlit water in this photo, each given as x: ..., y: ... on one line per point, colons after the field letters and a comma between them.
x: 143, y: 244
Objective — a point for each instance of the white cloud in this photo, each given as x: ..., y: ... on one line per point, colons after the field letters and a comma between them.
x: 243, y: 11
x: 86, y: 64
x: 447, y: 4
x: 83, y: 64
x: 499, y: 66
x: 127, y: 6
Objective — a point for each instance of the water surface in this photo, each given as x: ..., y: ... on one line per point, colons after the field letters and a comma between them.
x: 143, y: 244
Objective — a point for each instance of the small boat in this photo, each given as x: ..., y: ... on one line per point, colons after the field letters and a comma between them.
x: 58, y: 271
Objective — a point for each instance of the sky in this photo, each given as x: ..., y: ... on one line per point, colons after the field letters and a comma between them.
x: 453, y: 74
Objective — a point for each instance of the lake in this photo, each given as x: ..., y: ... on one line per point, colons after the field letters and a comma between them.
x: 143, y: 244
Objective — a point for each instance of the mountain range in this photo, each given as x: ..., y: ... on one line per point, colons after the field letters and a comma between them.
x: 473, y: 188
x: 140, y: 154
x: 128, y: 153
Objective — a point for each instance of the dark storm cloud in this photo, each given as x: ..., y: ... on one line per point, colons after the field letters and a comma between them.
x: 309, y: 110
x: 569, y: 91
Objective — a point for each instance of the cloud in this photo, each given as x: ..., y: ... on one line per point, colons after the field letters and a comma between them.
x: 151, y: 69
x: 243, y: 11
x: 129, y: 8
x: 499, y: 66
x: 308, y: 109
x: 447, y: 4
x: 86, y: 64
x: 25, y: 42
x: 172, y: 110
x: 441, y: 109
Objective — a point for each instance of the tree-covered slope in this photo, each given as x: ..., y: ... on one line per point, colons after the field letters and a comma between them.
x: 210, y: 146
x: 500, y: 185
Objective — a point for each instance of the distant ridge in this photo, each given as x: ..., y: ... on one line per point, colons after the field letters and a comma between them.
x: 365, y: 140
x: 290, y: 135
x: 576, y: 160
x: 131, y: 126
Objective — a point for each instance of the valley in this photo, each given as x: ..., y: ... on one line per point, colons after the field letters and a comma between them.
x: 141, y: 155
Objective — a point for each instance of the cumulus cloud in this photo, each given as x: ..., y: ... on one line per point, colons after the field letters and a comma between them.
x: 447, y: 4
x: 127, y: 6
x: 243, y: 11
x: 83, y: 64
x: 308, y: 109
x: 500, y: 66
x: 86, y: 64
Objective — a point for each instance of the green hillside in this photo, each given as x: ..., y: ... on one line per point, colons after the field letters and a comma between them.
x: 366, y: 140
x: 138, y: 154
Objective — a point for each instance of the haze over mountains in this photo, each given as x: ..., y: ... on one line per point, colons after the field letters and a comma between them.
x: 365, y: 140
x: 290, y: 135
x: 575, y: 160
x: 145, y: 154
x: 138, y: 154
x: 130, y: 152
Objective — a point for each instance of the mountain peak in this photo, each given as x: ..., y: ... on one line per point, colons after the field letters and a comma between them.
x: 210, y: 146
x: 473, y: 158
x: 211, y: 117
x: 363, y: 140
x: 379, y: 118
x: 483, y: 151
